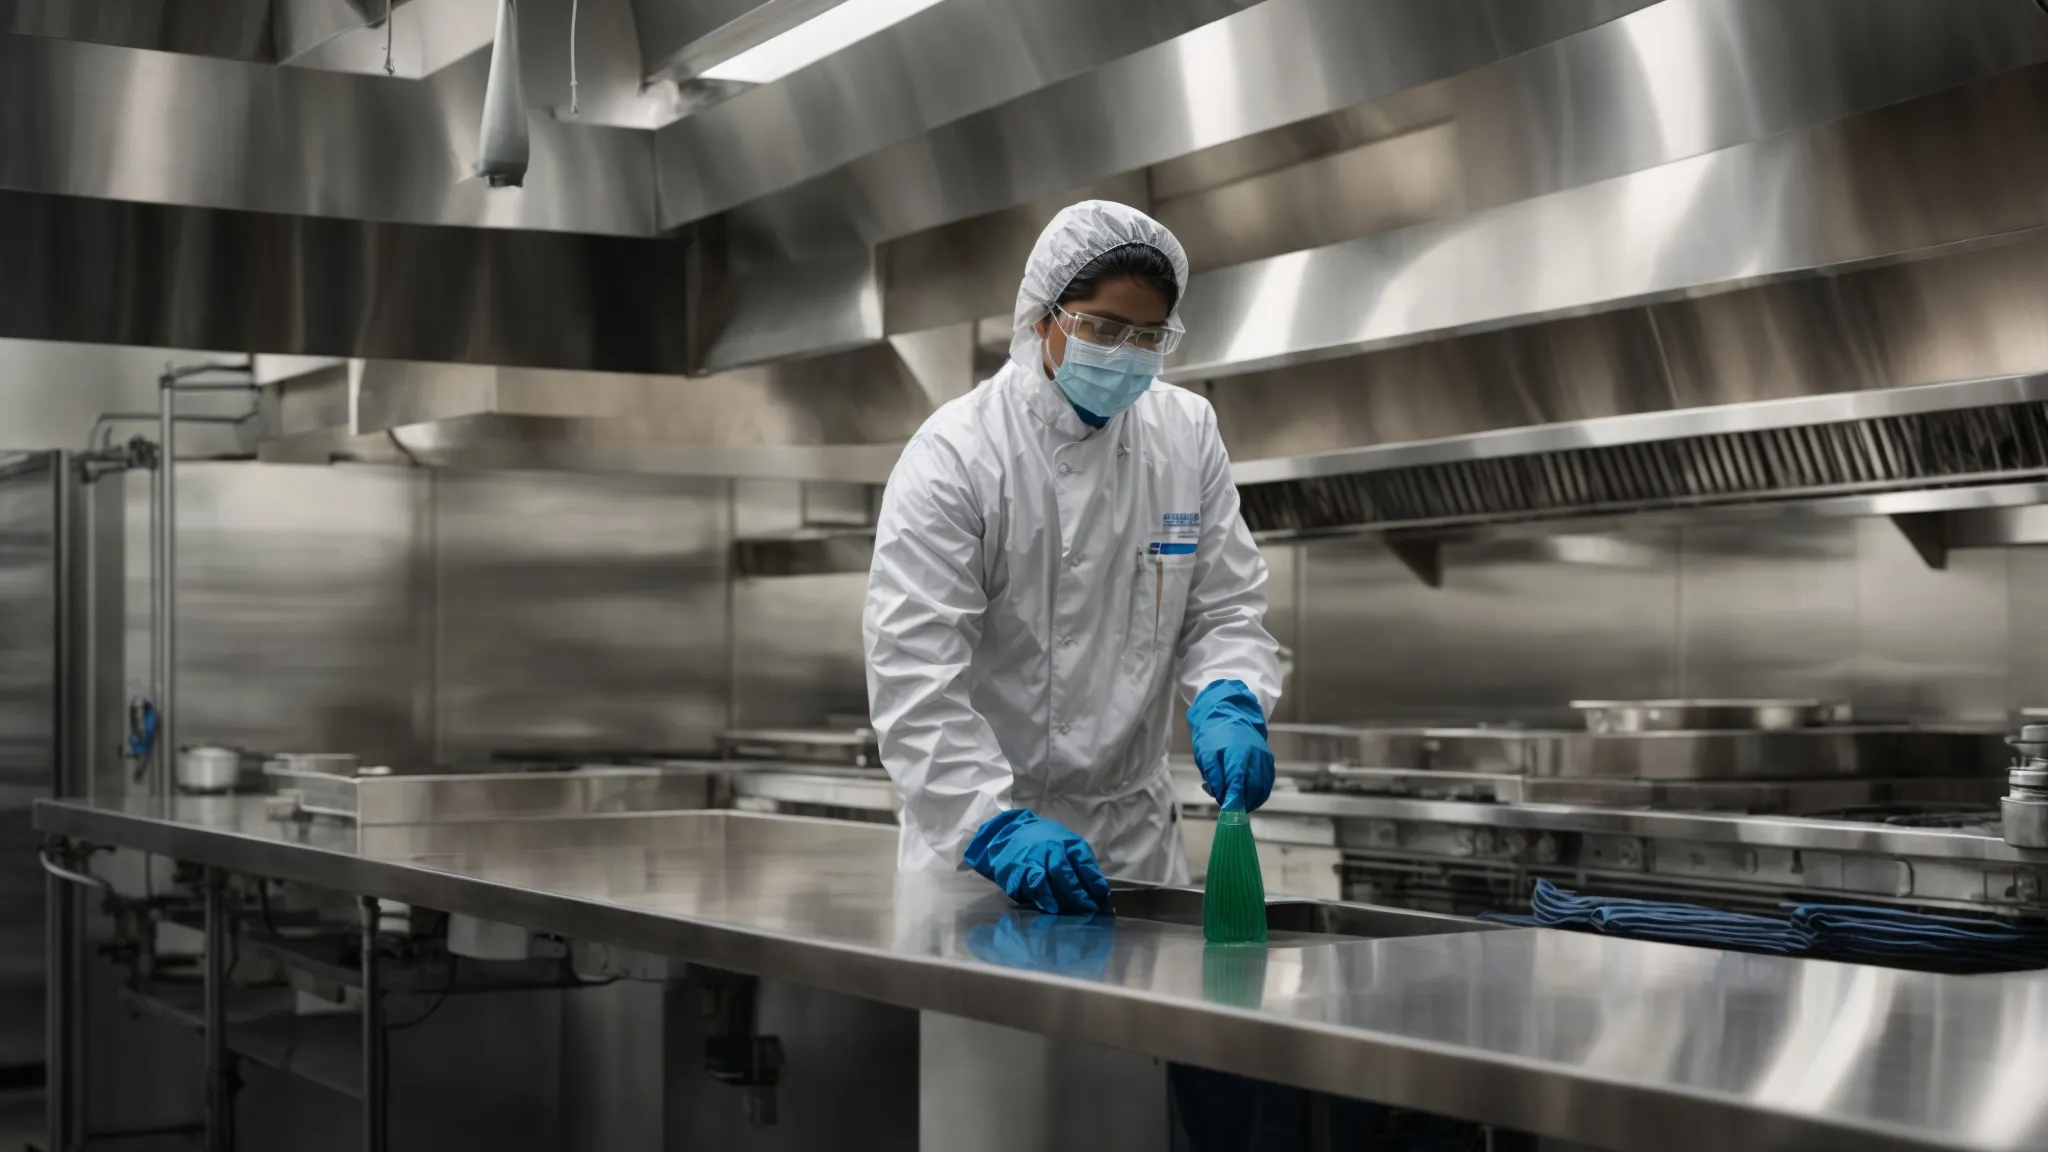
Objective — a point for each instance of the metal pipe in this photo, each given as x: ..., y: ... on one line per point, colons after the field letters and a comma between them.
x: 58, y: 871
x: 165, y: 606
x: 376, y: 1123
x: 220, y: 1068
x: 92, y: 438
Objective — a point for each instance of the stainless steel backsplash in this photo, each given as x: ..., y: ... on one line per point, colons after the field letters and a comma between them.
x: 1835, y: 609
x: 419, y: 616
x: 437, y: 616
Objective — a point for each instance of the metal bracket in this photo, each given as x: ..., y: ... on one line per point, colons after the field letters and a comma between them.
x: 1422, y: 556
x: 1927, y: 532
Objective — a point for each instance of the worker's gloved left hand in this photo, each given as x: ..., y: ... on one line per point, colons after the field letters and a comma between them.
x: 1228, y: 729
x: 1040, y: 863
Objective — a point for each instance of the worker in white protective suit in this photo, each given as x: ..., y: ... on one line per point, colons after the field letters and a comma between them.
x: 1058, y: 551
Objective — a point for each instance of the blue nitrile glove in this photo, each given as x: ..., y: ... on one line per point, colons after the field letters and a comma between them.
x: 1041, y: 863
x: 1228, y: 729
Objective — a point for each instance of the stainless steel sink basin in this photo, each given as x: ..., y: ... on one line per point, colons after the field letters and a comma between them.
x: 1297, y: 917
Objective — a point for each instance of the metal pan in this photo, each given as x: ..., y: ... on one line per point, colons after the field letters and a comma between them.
x: 1608, y: 717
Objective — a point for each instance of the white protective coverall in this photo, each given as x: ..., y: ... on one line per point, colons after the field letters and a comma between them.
x: 1024, y: 627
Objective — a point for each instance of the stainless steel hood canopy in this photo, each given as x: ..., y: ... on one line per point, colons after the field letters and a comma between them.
x: 1415, y: 219
x: 1248, y: 137
x: 108, y: 272
x: 842, y: 418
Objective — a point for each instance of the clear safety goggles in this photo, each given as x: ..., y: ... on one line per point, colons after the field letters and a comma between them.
x: 1160, y: 338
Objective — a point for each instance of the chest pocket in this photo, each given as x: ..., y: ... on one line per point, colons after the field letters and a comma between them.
x: 1159, y: 603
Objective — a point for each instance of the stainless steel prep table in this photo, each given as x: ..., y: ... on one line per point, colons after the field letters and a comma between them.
x: 1617, y: 1043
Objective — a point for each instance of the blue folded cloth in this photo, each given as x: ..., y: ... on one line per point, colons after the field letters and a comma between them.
x: 1837, y: 931
x: 1553, y: 907
x: 1865, y: 932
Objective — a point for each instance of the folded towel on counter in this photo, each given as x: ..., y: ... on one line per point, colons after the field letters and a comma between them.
x: 1553, y: 907
x: 1822, y: 931
x: 1856, y: 931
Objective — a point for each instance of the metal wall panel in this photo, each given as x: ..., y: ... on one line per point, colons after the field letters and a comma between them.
x: 1517, y: 623
x: 580, y: 612
x: 28, y: 627
x: 1842, y: 610
x: 797, y: 656
x: 300, y: 618
x: 1768, y: 609
x: 28, y: 737
x: 1929, y: 644
x: 2027, y: 617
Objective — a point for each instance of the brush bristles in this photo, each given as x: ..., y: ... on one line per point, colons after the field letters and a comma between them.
x: 1234, y: 896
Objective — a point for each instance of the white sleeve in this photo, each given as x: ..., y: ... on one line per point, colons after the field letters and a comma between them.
x: 1223, y: 635
x: 921, y: 624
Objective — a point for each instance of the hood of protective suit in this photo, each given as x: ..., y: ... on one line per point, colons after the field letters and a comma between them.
x: 1080, y: 233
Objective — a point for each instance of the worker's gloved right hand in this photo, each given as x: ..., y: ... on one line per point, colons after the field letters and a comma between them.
x: 1040, y: 863
x: 1228, y: 730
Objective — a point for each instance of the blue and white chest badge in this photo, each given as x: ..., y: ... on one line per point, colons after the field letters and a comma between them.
x: 1179, y: 532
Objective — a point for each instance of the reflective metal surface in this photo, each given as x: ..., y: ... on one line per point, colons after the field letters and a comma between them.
x: 1622, y: 1044
x: 1274, y: 63
x: 944, y: 63
x: 1823, y: 608
x: 1561, y: 441
x: 681, y: 38
x: 310, y: 576
x: 431, y: 798
x: 1537, y: 437
x: 797, y: 657
x: 31, y: 623
x: 578, y: 613
x: 1692, y: 226
x: 234, y: 29
x: 104, y: 272
x: 1342, y: 120
x: 89, y: 120
x: 420, y: 618
x: 1769, y: 715
x: 836, y: 417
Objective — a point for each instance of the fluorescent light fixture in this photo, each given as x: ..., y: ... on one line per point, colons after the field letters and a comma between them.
x: 814, y: 39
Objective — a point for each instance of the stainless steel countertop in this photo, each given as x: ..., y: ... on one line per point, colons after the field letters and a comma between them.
x: 1617, y: 1043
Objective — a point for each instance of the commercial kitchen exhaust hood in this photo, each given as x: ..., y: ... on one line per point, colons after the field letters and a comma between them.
x: 841, y: 417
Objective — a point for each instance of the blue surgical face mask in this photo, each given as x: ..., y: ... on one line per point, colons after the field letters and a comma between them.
x: 1105, y: 381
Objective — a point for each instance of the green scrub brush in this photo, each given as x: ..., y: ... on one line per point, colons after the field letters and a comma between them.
x: 1234, y: 895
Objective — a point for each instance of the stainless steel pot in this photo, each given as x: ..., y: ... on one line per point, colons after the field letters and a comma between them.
x: 208, y: 770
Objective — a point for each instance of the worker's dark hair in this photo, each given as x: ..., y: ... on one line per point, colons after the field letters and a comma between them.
x: 1140, y: 262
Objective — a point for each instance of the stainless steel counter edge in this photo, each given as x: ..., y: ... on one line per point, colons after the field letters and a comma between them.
x: 1546, y: 1097
x: 1762, y: 831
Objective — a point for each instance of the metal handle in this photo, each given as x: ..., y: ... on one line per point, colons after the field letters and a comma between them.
x: 63, y: 873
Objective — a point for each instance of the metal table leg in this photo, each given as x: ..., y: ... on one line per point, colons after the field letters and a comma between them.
x: 376, y: 1122
x: 220, y: 1069
x: 63, y: 964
